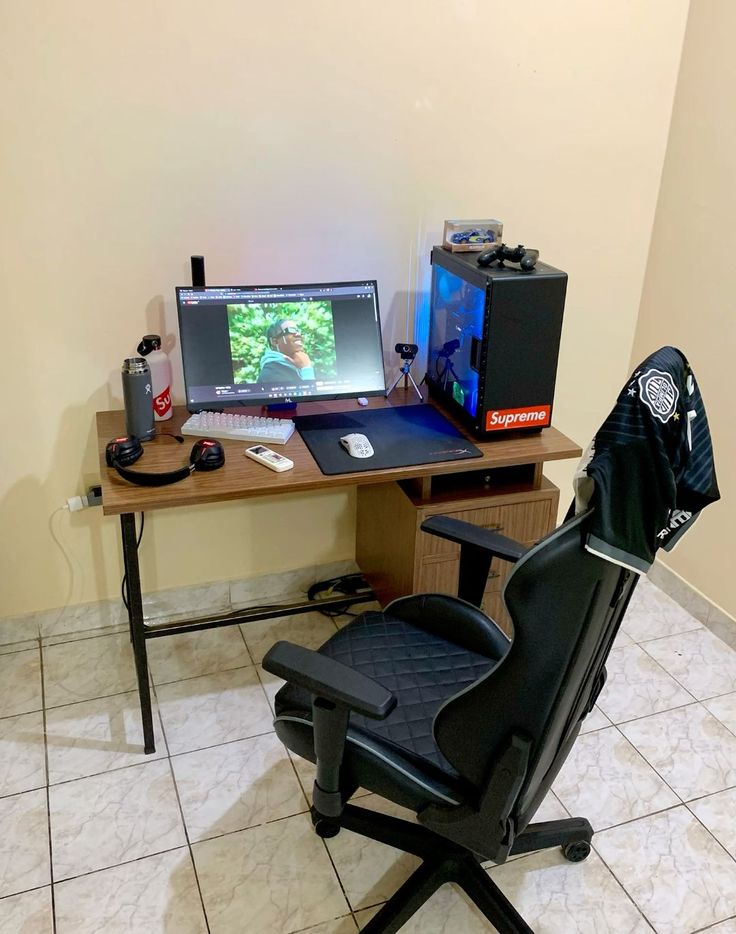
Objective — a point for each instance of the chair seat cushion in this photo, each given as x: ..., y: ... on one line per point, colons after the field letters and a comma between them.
x: 422, y: 669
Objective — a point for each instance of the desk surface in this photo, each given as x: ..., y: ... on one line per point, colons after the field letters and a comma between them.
x: 241, y: 477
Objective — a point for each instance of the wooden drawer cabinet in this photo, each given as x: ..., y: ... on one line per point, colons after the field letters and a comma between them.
x: 520, y: 521
x: 398, y: 558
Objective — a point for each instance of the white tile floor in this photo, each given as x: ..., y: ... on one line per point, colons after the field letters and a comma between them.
x: 211, y: 833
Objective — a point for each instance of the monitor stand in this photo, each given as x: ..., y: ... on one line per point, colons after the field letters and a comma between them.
x: 280, y: 408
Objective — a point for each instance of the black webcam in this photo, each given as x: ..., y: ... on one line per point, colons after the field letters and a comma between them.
x: 407, y: 351
x: 449, y: 348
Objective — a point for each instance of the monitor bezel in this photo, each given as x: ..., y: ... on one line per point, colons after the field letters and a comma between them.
x: 262, y: 402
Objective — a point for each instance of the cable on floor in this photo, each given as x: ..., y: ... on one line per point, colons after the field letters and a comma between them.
x: 348, y: 584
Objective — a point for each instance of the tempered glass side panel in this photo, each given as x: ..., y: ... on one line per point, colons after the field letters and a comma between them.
x: 455, y: 332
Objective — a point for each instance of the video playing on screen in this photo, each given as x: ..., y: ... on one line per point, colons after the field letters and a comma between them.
x: 247, y: 345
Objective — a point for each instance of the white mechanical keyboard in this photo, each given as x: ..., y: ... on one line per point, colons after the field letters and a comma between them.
x: 239, y: 427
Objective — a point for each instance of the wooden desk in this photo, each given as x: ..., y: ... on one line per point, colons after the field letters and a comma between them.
x: 241, y: 478
x: 509, y: 467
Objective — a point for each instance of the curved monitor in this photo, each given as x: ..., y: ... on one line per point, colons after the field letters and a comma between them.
x: 256, y: 345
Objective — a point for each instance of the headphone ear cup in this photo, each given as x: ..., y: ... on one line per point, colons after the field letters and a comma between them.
x: 123, y: 451
x: 207, y: 454
x: 130, y: 457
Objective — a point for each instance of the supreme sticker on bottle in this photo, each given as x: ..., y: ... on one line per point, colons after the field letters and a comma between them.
x: 162, y: 402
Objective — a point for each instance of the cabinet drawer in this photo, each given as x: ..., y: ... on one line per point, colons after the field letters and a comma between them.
x: 521, y: 521
x: 500, y: 570
x: 440, y: 575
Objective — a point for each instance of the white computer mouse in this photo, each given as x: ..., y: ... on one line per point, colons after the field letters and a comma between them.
x: 357, y: 445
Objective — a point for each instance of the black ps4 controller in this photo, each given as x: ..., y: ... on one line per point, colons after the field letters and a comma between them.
x: 527, y: 259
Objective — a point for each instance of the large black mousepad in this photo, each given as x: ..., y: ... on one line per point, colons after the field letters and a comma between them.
x: 401, y: 437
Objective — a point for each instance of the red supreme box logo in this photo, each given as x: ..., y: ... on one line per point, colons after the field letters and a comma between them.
x: 533, y: 416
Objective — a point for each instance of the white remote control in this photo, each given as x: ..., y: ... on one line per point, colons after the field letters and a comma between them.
x: 269, y: 458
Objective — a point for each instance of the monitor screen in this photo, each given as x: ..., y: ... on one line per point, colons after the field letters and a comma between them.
x: 255, y: 345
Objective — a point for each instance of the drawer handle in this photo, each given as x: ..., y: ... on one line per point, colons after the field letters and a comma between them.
x: 493, y: 528
x: 494, y: 574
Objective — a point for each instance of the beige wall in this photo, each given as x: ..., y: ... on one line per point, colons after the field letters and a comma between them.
x: 688, y: 295
x: 294, y: 142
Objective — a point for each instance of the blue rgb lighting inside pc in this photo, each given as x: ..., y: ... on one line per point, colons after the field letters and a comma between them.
x: 457, y: 314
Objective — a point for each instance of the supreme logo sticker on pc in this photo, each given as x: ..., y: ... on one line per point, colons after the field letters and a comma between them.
x: 536, y: 416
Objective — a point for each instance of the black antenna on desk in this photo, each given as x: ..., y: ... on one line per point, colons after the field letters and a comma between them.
x: 198, y: 280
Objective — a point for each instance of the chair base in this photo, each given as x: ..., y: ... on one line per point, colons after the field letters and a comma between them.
x: 444, y: 861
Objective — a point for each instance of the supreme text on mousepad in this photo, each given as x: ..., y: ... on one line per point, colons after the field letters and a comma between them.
x: 401, y: 437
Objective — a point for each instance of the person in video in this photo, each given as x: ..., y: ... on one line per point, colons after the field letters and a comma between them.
x: 285, y: 359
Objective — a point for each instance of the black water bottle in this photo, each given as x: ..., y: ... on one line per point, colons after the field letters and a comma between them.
x: 138, y: 398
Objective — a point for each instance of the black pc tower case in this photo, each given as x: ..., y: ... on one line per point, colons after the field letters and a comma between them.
x: 494, y: 338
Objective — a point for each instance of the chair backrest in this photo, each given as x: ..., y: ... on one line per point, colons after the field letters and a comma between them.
x: 566, y: 606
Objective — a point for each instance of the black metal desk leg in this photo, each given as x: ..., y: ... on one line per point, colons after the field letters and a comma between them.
x: 135, y: 617
x: 126, y: 583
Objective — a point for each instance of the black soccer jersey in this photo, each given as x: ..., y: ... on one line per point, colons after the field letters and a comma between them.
x: 649, y: 470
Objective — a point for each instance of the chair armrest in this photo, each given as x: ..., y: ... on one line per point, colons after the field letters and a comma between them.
x: 325, y: 677
x: 464, y: 533
x: 478, y: 547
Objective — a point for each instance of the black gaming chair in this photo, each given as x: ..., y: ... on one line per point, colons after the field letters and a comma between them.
x: 432, y: 706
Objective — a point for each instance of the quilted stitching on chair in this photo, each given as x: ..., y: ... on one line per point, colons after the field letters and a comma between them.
x: 421, y: 669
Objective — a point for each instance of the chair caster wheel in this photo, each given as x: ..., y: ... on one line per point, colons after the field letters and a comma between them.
x: 325, y: 828
x: 576, y: 852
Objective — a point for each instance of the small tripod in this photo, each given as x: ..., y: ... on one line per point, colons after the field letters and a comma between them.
x: 448, y: 349
x: 408, y: 353
x: 447, y: 372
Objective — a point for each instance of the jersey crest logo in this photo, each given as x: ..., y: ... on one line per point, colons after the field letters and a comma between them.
x: 659, y: 393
